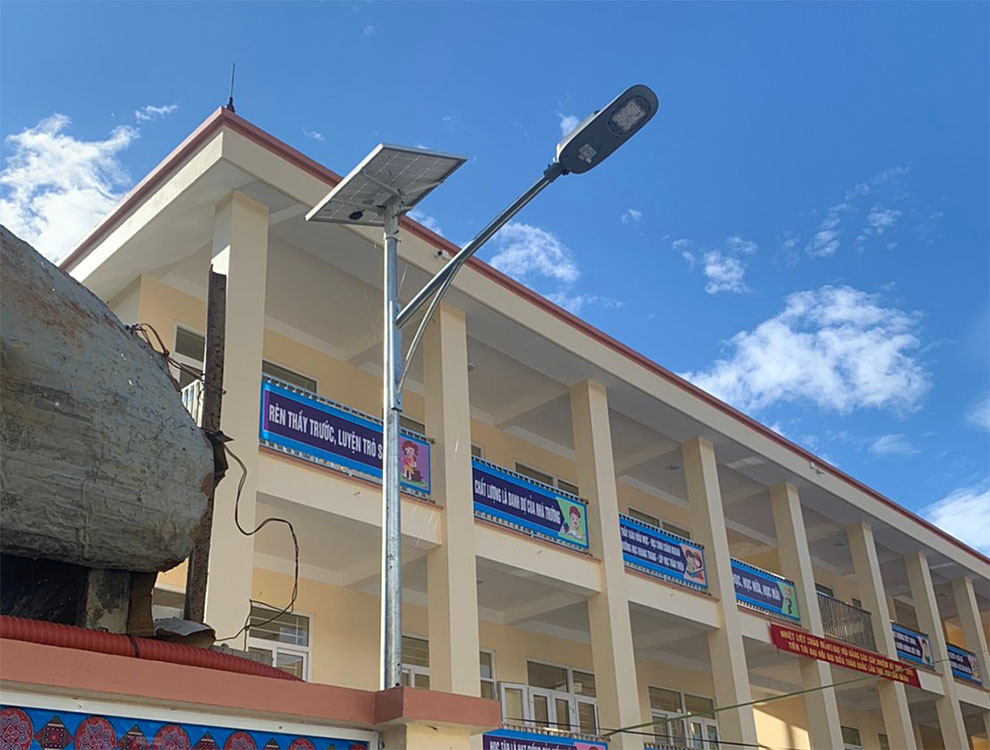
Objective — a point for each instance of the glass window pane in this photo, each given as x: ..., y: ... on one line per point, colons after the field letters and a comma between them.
x: 286, y: 628
x: 584, y: 683
x: 586, y: 718
x: 294, y: 664
x: 421, y: 680
x: 408, y: 423
x: 883, y: 742
x: 293, y: 378
x: 697, y: 738
x: 486, y: 665
x: 487, y: 689
x: 665, y: 700
x: 167, y: 603
x: 563, y: 484
x: 850, y: 736
x: 643, y: 517
x: 546, y: 676
x: 541, y: 710
x: 190, y: 344
x: 513, y: 704
x: 695, y: 704
x: 477, y: 451
x: 404, y: 678
x: 824, y: 590
x: 415, y: 651
x: 563, y: 717
x: 186, y: 377
x: 674, y: 529
x: 529, y: 471
x: 263, y: 652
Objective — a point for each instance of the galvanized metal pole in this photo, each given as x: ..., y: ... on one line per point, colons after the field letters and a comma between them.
x: 391, y: 590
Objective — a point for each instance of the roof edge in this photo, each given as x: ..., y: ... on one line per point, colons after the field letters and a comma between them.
x: 225, y: 117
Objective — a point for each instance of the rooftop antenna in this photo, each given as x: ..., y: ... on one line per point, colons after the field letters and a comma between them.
x: 230, y: 100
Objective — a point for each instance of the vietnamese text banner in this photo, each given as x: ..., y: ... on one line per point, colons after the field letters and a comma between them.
x: 963, y: 664
x: 512, y: 739
x: 315, y: 429
x: 764, y: 590
x: 538, y: 508
x: 667, y: 555
x: 841, y: 654
x: 912, y: 646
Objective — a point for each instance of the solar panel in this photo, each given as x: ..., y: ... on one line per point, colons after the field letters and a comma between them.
x: 388, y: 172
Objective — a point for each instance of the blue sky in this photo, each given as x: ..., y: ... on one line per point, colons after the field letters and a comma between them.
x: 803, y: 229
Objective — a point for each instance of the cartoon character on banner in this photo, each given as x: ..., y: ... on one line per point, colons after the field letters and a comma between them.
x: 410, y: 463
x: 573, y: 523
x: 787, y: 605
x: 694, y: 564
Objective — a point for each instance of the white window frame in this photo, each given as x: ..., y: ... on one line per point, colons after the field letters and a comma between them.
x: 494, y: 678
x: 555, y: 479
x: 410, y: 671
x: 660, y: 523
x: 277, y: 647
x: 481, y: 451
x: 852, y: 745
x: 569, y: 695
x: 295, y: 370
x: 199, y: 364
x: 703, y: 721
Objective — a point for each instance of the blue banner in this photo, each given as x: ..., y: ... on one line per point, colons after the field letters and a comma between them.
x: 764, y: 590
x: 26, y: 728
x: 912, y: 646
x: 513, y: 739
x: 662, y: 553
x: 306, y: 425
x: 538, y: 508
x: 964, y: 664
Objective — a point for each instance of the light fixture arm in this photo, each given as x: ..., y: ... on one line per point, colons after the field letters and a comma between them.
x: 443, y: 278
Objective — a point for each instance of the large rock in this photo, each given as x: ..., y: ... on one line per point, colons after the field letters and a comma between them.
x: 100, y: 464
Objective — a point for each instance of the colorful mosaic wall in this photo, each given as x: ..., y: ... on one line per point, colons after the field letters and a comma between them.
x: 44, y: 729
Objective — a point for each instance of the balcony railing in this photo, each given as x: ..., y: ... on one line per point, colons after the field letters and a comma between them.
x: 525, y: 505
x: 659, y: 553
x: 846, y: 622
x: 192, y: 399
x: 912, y: 645
x: 764, y: 591
x: 963, y: 664
x: 518, y: 735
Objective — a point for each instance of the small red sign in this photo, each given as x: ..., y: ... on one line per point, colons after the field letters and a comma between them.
x: 841, y: 654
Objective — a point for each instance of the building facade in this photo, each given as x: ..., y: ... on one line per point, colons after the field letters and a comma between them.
x: 586, y: 538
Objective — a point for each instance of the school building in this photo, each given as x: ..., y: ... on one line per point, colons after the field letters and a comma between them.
x: 587, y: 539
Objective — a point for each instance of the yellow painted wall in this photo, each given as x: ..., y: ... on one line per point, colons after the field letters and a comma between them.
x: 783, y: 724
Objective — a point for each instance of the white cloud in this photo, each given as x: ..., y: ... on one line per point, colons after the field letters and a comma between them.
x: 314, y: 134
x: 567, y: 123
x: 878, y: 221
x: 836, y: 347
x: 825, y: 241
x: 964, y: 513
x: 724, y: 273
x: 150, y: 112
x: 723, y: 268
x: 426, y: 220
x: 889, y: 446
x: 367, y: 31
x: 57, y: 186
x: 632, y: 216
x: 574, y: 302
x: 978, y: 414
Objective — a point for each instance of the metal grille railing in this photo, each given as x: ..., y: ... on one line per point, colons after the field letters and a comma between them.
x: 846, y: 622
x: 192, y: 399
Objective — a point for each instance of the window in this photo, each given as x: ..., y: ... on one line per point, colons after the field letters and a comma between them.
x: 165, y: 603
x: 677, y: 530
x: 290, y: 377
x: 477, y: 451
x: 407, y: 423
x: 542, y: 476
x: 284, y: 639
x: 546, y: 676
x: 487, y: 674
x: 883, y: 742
x: 858, y: 604
x: 555, y: 699
x: 699, y: 732
x: 415, y: 662
x: 190, y: 350
x: 850, y: 739
x: 654, y: 521
x: 824, y: 590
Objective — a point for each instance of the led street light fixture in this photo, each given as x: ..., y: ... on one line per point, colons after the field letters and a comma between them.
x: 602, y: 132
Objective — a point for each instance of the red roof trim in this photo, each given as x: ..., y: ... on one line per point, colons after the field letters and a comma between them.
x: 224, y: 117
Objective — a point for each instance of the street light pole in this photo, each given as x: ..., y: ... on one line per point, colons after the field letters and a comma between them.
x: 391, y: 583
x: 385, y: 185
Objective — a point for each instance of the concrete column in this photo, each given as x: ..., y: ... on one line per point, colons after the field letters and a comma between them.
x: 893, y: 696
x: 725, y: 645
x: 972, y: 627
x: 950, y: 718
x: 824, y: 729
x: 452, y: 588
x: 240, y: 250
x: 608, y: 611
